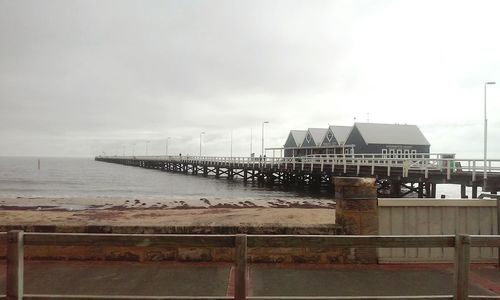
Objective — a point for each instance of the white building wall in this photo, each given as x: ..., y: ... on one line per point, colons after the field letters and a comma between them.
x: 440, y: 217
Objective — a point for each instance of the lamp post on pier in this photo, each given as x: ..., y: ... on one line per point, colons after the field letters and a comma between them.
x: 166, y: 147
x: 485, y: 136
x: 251, y: 139
x: 263, y: 123
x: 147, y: 143
x: 202, y: 133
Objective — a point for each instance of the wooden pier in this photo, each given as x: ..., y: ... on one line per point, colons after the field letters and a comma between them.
x: 415, y: 175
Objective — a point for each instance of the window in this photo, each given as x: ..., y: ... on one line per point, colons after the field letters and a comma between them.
x: 329, y: 136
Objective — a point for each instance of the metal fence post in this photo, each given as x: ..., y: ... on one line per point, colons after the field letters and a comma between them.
x: 498, y: 227
x: 240, y: 287
x: 15, y: 265
x: 462, y: 264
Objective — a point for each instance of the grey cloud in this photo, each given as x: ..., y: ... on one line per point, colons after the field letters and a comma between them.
x: 94, y: 75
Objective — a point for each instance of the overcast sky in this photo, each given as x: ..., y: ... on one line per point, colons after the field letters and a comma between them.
x: 78, y: 78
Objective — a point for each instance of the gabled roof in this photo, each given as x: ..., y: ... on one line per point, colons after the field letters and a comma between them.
x: 341, y: 133
x: 395, y: 134
x: 297, y: 137
x: 317, y: 134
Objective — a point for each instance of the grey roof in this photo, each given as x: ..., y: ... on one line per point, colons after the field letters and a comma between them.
x: 298, y: 136
x: 395, y: 134
x: 341, y: 133
x: 318, y: 134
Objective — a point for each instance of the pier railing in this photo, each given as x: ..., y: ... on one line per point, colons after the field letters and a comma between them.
x: 16, y: 240
x: 403, y: 164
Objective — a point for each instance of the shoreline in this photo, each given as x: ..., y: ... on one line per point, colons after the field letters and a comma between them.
x: 117, y: 204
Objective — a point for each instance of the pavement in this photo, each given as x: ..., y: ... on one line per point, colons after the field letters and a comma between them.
x: 215, y: 279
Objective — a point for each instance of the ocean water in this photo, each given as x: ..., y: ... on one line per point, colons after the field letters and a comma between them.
x: 85, y: 178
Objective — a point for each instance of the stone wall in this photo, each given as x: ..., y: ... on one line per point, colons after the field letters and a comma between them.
x: 148, y: 254
x: 357, y: 212
x: 142, y: 254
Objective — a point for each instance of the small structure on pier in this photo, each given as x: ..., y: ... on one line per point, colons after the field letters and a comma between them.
x: 294, y: 142
x: 314, y: 137
x: 336, y: 135
x: 394, y: 140
x: 331, y: 140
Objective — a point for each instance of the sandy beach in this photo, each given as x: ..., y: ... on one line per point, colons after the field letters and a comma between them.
x: 119, y: 212
x: 172, y: 217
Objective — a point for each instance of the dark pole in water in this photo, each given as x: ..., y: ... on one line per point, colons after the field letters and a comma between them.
x: 38, y: 164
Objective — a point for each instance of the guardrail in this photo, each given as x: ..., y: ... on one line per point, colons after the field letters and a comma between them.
x: 424, y: 163
x: 16, y: 240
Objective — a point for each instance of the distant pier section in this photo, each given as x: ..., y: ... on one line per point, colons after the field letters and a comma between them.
x: 412, y: 174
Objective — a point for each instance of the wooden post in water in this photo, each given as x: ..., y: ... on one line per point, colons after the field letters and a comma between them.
x: 395, y: 188
x: 474, y: 190
x: 240, y: 274
x: 462, y: 264
x: 433, y: 190
x: 421, y: 189
x: 15, y: 265
x: 38, y: 164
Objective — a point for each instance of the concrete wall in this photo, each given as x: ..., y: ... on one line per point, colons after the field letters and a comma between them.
x: 204, y: 254
x: 432, y: 216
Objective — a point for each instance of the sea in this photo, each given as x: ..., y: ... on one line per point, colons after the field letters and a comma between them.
x: 81, y: 182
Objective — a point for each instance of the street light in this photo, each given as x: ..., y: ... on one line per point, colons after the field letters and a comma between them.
x: 200, y: 140
x: 251, y: 139
x: 485, y: 135
x: 231, y: 143
x: 166, y: 147
x: 265, y: 122
x: 147, y: 142
x: 133, y: 149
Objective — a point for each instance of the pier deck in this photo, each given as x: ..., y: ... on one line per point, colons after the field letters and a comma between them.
x: 396, y: 177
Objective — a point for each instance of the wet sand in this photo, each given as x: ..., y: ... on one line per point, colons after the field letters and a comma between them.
x: 53, y: 203
x: 112, y: 212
